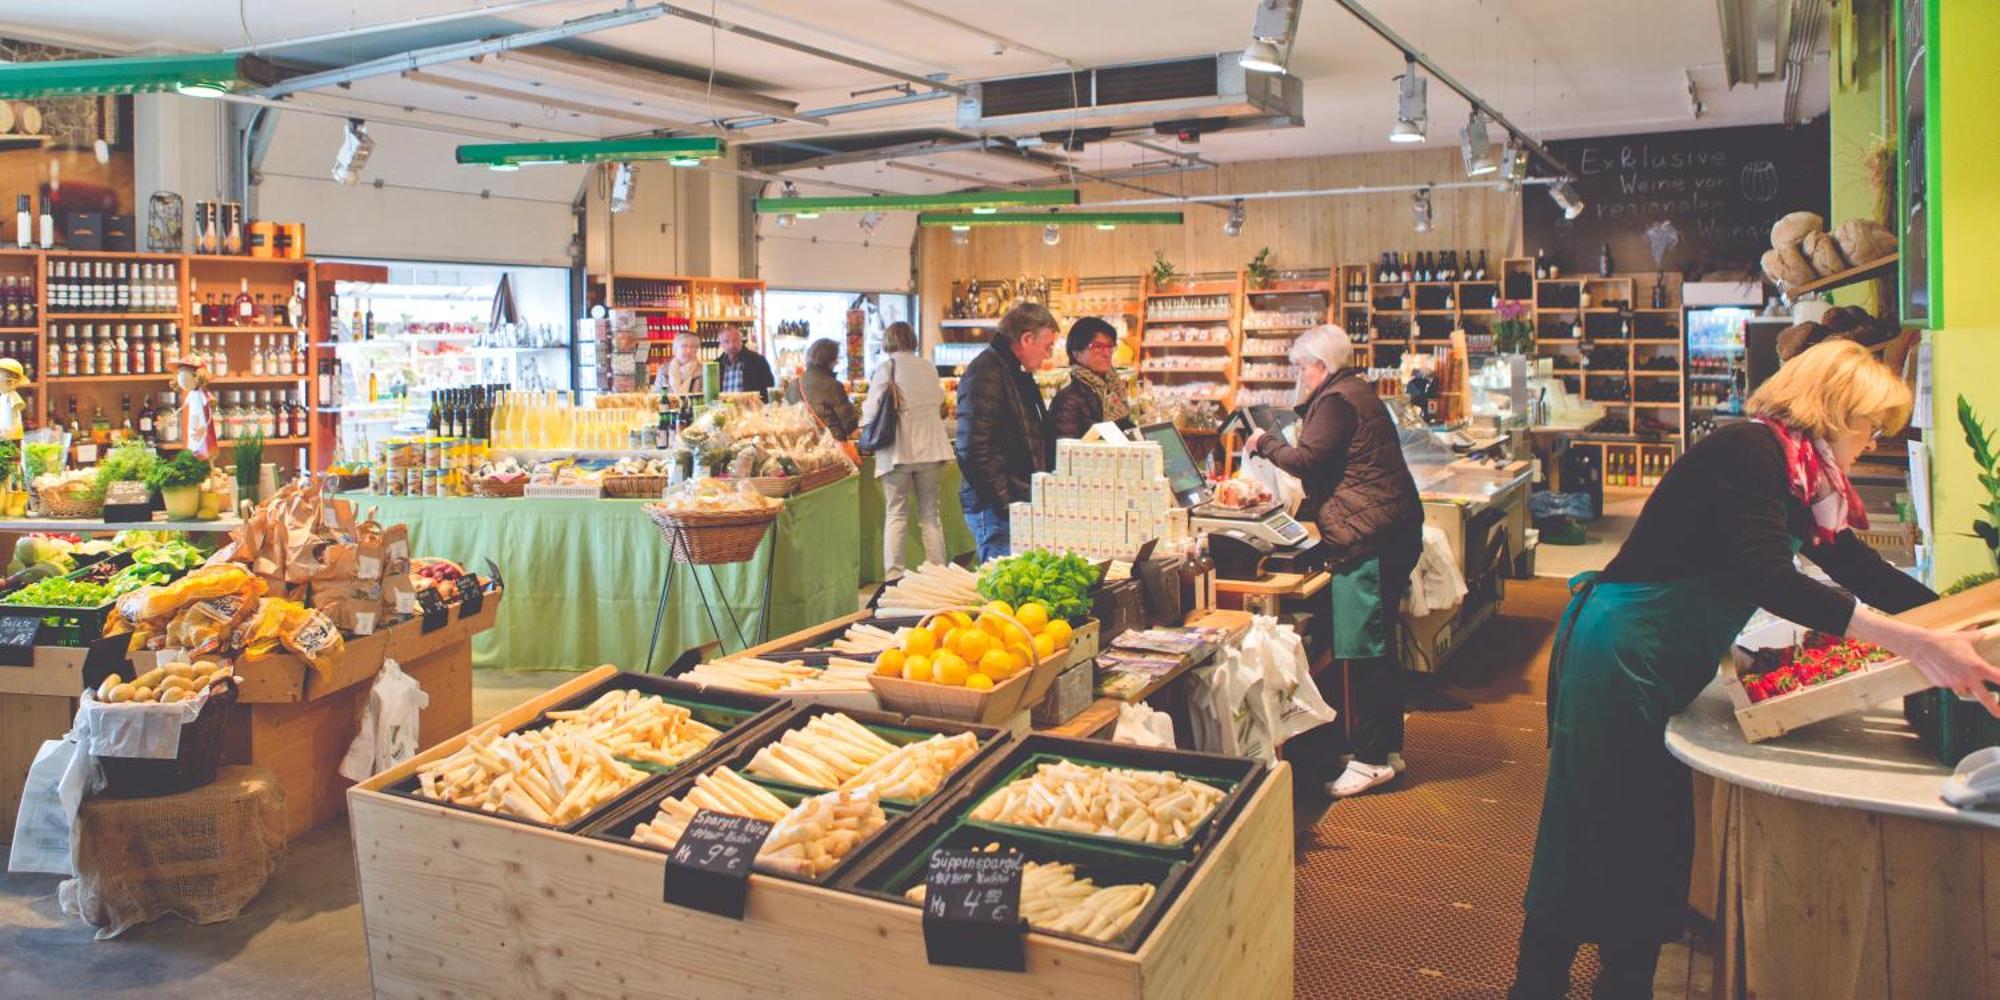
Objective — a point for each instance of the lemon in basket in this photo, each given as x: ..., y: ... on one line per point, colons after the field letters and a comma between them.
x: 1045, y: 646
x: 889, y: 663
x: 972, y: 644
x: 979, y: 682
x: 997, y: 664
x: 950, y: 669
x: 1059, y: 633
x: 919, y: 642
x: 999, y: 608
x: 1033, y: 617
x: 917, y: 668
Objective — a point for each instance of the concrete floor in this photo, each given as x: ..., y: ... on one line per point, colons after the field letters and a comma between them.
x: 301, y: 937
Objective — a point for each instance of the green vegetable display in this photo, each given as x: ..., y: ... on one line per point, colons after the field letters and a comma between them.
x: 1060, y: 582
x: 183, y: 469
x: 60, y: 593
x: 128, y: 462
x: 156, y: 564
x: 44, y: 456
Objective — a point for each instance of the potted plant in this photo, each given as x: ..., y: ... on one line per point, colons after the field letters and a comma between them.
x: 249, y: 454
x: 1513, y: 328
x: 179, y: 482
x: 13, y: 488
x: 1259, y: 269
x: 126, y: 462
x: 1164, y: 274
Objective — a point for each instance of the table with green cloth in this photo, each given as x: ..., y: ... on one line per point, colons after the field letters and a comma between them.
x: 874, y: 513
x: 583, y: 576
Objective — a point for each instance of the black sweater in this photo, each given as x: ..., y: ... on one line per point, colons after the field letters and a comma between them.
x: 1725, y: 509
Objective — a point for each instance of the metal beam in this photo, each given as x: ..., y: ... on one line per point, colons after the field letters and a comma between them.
x: 926, y: 148
x: 347, y: 34
x: 499, y: 131
x: 532, y: 97
x: 950, y: 175
x: 1412, y: 53
x: 811, y: 50
x: 606, y: 72
x: 1224, y: 199
x: 419, y: 58
x: 846, y: 109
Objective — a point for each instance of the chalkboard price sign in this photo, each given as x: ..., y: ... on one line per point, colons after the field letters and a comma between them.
x: 1680, y: 202
x: 972, y: 910
x: 709, y: 867
x: 433, y: 609
x: 17, y: 640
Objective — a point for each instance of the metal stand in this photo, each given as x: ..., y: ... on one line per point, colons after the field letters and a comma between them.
x: 677, y: 539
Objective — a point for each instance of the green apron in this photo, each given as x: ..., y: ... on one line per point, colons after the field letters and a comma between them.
x: 1616, y: 840
x: 1360, y: 623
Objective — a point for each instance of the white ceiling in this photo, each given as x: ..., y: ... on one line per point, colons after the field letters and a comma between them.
x: 1557, y: 68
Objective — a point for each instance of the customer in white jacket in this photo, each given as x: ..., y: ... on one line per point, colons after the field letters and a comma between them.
x: 912, y: 463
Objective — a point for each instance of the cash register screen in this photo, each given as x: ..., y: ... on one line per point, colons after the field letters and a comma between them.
x: 1188, y: 484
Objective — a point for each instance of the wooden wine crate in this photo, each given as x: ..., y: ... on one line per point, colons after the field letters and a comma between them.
x: 456, y: 903
x: 1889, y: 679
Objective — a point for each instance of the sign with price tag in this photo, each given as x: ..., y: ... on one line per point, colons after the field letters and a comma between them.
x: 709, y: 868
x: 972, y: 910
x: 471, y: 596
x: 17, y: 640
x: 433, y: 609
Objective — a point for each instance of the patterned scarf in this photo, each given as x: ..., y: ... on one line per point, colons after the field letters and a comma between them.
x: 1816, y: 480
x: 1110, y: 391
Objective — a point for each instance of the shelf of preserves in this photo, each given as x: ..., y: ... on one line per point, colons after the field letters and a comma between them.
x: 144, y: 377
x: 244, y: 329
x: 83, y: 317
x: 231, y: 442
x: 252, y: 379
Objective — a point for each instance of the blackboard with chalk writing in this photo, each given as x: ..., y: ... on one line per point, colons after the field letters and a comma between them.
x: 1706, y: 198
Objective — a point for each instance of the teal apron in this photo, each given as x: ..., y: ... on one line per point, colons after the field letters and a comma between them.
x: 1360, y: 622
x: 1617, y: 832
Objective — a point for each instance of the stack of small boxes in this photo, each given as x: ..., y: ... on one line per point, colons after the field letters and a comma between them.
x: 1103, y: 501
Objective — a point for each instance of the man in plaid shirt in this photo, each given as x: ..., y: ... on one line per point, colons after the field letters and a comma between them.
x: 743, y: 370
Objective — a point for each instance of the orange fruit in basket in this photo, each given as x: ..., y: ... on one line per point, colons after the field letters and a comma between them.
x: 998, y: 627
x: 1059, y: 633
x: 1045, y: 646
x: 960, y: 619
x: 942, y: 629
x: 950, y: 669
x: 889, y: 663
x: 1021, y: 656
x: 972, y: 644
x: 917, y: 668
x: 1033, y: 617
x: 997, y: 664
x: 919, y: 642
x: 999, y: 608
x: 979, y: 682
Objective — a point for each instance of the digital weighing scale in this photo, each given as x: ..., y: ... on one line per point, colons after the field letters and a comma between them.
x: 1264, y: 537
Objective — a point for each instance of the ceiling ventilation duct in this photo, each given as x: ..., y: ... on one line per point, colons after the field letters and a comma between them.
x: 1212, y: 89
x: 1764, y: 41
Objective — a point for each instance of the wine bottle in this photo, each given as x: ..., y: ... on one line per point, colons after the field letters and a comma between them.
x: 1604, y: 261
x: 1541, y: 265
x: 24, y: 223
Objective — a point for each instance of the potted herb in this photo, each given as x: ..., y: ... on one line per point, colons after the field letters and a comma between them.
x: 13, y: 487
x: 1164, y: 275
x: 126, y: 462
x: 1259, y: 269
x: 179, y: 482
x: 249, y: 451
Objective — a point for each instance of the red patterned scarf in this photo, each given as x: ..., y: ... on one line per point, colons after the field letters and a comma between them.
x: 1816, y: 480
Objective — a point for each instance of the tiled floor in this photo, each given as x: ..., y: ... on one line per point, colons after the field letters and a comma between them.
x: 1415, y: 891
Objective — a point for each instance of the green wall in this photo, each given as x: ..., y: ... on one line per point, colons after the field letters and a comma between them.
x: 1859, y: 114
x: 1965, y: 358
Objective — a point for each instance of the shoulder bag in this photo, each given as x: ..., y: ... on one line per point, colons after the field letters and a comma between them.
x: 881, y: 430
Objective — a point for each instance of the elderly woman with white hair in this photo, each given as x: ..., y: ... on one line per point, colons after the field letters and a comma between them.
x: 1344, y: 449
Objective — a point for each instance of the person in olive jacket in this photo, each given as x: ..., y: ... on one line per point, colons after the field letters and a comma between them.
x: 821, y: 389
x: 1001, y: 442
x: 1095, y: 393
x: 1360, y: 493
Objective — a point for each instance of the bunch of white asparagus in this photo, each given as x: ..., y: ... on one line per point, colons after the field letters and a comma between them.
x: 746, y: 673
x: 638, y: 726
x: 1153, y: 807
x: 808, y: 839
x: 834, y: 751
x: 1054, y: 899
x: 537, y: 774
x: 863, y: 639
x: 930, y: 587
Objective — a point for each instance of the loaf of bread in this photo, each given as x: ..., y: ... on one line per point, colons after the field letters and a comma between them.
x: 1797, y: 337
x: 1787, y: 266
x: 1795, y: 227
x: 1824, y: 253
x: 1863, y: 240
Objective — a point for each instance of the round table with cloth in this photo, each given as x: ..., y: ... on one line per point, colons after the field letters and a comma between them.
x: 201, y: 855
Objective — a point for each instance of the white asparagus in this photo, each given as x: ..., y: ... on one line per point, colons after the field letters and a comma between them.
x: 1147, y: 806
x: 1053, y: 898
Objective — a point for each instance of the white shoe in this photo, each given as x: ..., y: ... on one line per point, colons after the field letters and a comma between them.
x: 1359, y: 778
x: 1396, y: 763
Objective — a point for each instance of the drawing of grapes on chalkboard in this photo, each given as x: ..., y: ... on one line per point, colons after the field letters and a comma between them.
x: 1661, y: 239
x: 1759, y: 180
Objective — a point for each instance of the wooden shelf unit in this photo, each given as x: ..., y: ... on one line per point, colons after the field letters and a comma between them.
x: 1558, y: 303
x: 699, y: 293
x: 1152, y: 296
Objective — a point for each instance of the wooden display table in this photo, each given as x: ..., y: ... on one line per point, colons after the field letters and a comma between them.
x: 458, y: 903
x: 1262, y: 597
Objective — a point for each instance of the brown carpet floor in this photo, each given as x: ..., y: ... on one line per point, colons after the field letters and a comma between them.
x: 1415, y: 890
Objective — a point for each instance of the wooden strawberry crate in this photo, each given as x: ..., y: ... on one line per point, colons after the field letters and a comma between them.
x: 1894, y: 678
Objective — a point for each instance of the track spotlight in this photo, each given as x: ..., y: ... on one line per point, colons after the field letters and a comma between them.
x: 1051, y: 234
x: 791, y: 190
x: 1234, y: 227
x: 1566, y: 198
x: 624, y: 181
x: 1420, y: 210
x: 1412, y: 103
x: 1513, y: 165
x: 1271, y: 27
x: 787, y: 220
x: 353, y: 155
x: 1475, y: 148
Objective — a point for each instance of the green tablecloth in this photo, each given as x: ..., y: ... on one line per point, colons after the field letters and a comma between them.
x: 957, y: 537
x: 583, y: 576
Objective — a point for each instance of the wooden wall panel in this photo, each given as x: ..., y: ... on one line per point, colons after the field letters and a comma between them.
x: 1301, y: 232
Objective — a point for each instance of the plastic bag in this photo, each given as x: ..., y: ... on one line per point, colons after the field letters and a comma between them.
x: 388, y: 724
x: 42, y: 825
x: 1142, y: 725
x: 1283, y: 485
x: 1232, y: 709
x: 1280, y: 655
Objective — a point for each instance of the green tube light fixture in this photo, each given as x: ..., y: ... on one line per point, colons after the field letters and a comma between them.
x: 680, y: 151
x: 962, y: 221
x: 982, y: 202
x: 202, y: 75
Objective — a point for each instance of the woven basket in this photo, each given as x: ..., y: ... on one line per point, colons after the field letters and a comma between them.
x: 67, y: 501
x: 713, y: 539
x: 963, y: 704
x: 775, y: 487
x: 823, y: 477
x: 634, y: 487
x: 496, y: 489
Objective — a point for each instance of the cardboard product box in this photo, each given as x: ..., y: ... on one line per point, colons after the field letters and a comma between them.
x: 85, y: 230
x: 118, y: 233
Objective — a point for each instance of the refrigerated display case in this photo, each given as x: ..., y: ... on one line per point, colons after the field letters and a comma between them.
x: 1717, y: 373
x: 854, y: 320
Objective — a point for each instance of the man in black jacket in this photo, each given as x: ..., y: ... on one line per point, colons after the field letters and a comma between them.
x: 1000, y: 439
x: 743, y: 370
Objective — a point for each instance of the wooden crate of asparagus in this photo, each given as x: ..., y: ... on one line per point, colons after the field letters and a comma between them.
x: 589, y: 912
x: 907, y: 759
